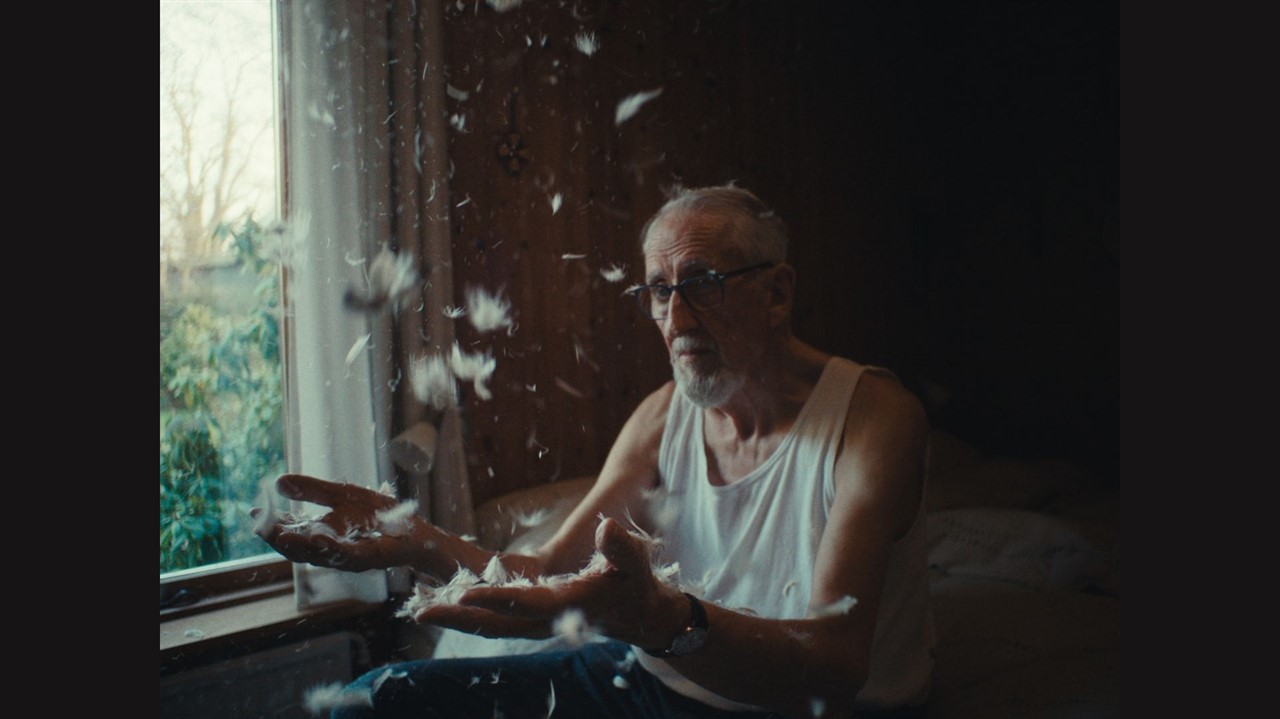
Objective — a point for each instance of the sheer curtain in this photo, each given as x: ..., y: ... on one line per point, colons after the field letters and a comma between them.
x: 348, y: 108
x: 417, y: 84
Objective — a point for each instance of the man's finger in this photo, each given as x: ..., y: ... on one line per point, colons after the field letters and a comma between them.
x: 624, y: 551
x: 319, y: 550
x: 319, y: 491
x: 524, y: 602
x: 474, y: 620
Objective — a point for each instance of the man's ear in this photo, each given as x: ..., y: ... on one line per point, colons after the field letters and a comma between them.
x: 782, y: 292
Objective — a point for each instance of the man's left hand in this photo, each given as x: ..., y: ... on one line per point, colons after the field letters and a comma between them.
x: 624, y: 600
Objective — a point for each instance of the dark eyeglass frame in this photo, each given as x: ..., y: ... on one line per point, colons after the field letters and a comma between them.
x: 661, y: 289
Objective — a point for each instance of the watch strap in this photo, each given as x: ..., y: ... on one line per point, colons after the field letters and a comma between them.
x: 697, y: 624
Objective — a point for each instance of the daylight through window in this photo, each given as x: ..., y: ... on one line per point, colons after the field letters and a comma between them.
x: 221, y: 393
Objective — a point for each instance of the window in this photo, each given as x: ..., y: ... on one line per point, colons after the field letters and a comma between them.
x: 222, y: 424
x: 263, y: 367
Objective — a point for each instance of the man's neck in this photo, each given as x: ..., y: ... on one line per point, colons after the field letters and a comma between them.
x: 774, y: 393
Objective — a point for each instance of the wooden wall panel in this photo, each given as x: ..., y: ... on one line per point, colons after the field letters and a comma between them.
x: 911, y: 151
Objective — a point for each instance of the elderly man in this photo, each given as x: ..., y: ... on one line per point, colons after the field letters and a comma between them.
x: 795, y: 481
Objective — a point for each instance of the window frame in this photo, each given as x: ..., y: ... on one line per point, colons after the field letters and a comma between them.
x: 234, y: 605
x: 241, y: 580
x: 238, y: 589
x: 222, y: 584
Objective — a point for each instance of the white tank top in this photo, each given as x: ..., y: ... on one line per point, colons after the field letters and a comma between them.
x: 752, y: 545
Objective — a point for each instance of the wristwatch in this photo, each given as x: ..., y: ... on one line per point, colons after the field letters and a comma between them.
x: 691, y: 637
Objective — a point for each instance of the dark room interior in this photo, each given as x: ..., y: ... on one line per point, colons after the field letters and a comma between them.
x: 949, y: 175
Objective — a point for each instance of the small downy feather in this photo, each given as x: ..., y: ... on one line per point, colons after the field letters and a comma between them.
x: 356, y: 348
x: 395, y: 521
x: 267, y: 501
x: 572, y: 625
x: 630, y: 105
x: 596, y: 565
x: 533, y: 518
x: 628, y: 661
x: 504, y: 5
x: 568, y: 388
x: 320, y: 700
x: 433, y: 382
x: 390, y: 278
x: 475, y: 367
x: 487, y: 312
x: 387, y: 675
x: 843, y: 605
x: 616, y: 272
x: 668, y: 573
x: 495, y: 573
x: 425, y: 596
x: 586, y: 43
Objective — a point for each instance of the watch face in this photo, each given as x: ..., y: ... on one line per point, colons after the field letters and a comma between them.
x: 688, y: 642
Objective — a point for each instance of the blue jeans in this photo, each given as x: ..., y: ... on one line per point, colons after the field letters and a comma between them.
x: 517, y: 687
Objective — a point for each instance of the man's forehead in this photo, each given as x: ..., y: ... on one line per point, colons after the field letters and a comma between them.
x: 688, y: 240
x: 679, y: 266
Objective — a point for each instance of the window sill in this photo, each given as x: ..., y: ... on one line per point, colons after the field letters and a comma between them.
x: 243, y: 623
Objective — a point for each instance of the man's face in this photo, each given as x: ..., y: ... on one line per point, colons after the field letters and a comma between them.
x: 710, y: 350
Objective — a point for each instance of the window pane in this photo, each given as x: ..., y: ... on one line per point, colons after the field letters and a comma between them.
x: 221, y: 421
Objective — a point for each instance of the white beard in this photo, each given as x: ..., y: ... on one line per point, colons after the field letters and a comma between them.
x: 708, y: 390
x: 705, y: 389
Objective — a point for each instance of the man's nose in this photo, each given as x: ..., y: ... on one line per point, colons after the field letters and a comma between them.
x: 680, y: 316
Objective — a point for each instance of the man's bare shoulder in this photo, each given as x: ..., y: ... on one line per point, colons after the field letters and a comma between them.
x: 633, y: 460
x: 651, y: 416
x: 881, y: 409
x: 881, y: 462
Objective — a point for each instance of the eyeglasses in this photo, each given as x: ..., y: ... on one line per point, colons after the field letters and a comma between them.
x: 701, y: 292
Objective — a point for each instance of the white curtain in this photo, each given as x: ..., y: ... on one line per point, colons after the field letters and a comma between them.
x: 416, y: 76
x: 338, y: 410
x: 344, y: 65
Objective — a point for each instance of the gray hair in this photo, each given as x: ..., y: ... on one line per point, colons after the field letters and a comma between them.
x: 756, y: 231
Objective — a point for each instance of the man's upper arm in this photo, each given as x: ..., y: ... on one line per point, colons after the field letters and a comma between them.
x: 879, y: 479
x: 629, y: 470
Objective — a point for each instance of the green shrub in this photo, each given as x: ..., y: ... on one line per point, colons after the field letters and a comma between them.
x: 221, y: 428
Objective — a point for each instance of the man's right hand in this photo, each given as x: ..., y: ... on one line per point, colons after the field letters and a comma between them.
x: 350, y: 536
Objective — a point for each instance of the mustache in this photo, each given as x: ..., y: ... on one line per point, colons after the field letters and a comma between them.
x: 692, y: 344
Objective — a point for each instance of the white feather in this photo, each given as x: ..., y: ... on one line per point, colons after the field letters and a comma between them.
x: 475, y: 367
x: 504, y: 5
x: 843, y: 605
x: 487, y: 312
x: 267, y: 501
x: 572, y: 625
x: 586, y: 43
x: 354, y: 352
x: 614, y: 273
x: 395, y: 521
x: 630, y: 105
x: 433, y: 382
x: 494, y: 572
x: 320, y: 700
